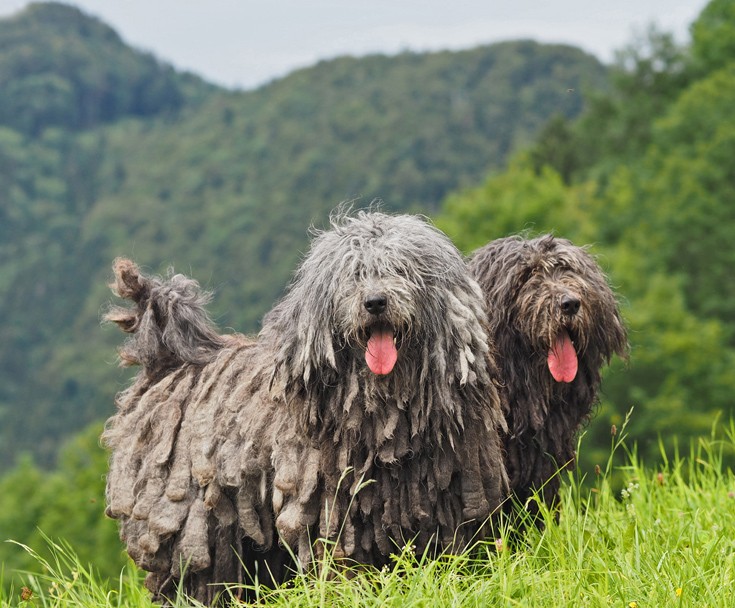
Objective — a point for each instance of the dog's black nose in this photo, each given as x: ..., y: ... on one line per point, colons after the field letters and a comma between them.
x: 376, y: 303
x: 570, y: 305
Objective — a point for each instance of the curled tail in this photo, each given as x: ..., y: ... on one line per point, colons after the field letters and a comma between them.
x: 169, y: 323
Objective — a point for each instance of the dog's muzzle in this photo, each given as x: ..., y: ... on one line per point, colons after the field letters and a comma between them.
x: 570, y: 305
x: 376, y: 304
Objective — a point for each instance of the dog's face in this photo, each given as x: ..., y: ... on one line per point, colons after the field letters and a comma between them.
x: 375, y: 306
x: 560, y: 302
x: 388, y: 288
x: 397, y: 276
x: 557, y: 300
x: 381, y: 290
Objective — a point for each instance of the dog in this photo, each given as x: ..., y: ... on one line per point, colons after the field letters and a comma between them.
x: 555, y: 322
x: 365, y: 416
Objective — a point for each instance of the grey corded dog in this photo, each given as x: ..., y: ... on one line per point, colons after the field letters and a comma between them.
x: 365, y: 414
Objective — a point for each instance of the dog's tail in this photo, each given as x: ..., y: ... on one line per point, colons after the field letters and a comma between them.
x: 169, y: 323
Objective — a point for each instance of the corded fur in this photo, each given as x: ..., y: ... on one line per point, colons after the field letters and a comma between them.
x: 228, y: 448
x: 524, y: 282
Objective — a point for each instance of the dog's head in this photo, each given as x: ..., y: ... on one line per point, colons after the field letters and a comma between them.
x: 553, y: 296
x: 380, y: 294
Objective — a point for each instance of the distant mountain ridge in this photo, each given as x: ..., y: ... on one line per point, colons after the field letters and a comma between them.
x: 122, y: 155
x: 61, y: 67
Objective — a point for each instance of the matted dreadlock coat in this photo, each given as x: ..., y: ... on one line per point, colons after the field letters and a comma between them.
x: 365, y: 415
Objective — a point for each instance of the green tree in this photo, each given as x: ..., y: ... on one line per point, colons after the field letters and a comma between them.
x: 60, y: 67
x: 23, y: 500
x: 713, y: 36
x: 682, y: 197
x: 557, y: 147
x: 66, y: 504
x: 523, y: 198
x: 647, y: 77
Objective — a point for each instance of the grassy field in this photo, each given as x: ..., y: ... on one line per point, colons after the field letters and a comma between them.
x: 632, y: 537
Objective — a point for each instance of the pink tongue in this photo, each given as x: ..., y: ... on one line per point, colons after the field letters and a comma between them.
x: 563, y: 359
x: 381, y: 354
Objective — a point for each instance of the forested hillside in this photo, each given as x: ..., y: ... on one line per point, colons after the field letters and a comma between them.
x: 59, y: 67
x: 647, y: 176
x: 105, y: 151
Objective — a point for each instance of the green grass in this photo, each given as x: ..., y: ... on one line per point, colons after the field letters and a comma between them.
x: 665, y: 538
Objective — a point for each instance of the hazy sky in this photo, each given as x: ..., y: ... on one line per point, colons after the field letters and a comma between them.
x: 244, y: 43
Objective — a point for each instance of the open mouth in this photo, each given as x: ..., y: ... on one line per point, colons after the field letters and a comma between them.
x: 381, y: 352
x: 562, y: 358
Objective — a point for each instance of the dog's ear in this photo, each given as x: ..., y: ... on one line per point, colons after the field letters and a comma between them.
x: 501, y: 267
x: 616, y: 336
x: 299, y: 331
x: 464, y: 329
x: 614, y: 340
x: 301, y: 353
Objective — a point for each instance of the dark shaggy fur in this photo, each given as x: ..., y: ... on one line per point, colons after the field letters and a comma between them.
x: 226, y: 448
x: 548, y: 303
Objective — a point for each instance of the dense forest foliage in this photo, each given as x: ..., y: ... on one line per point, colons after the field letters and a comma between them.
x: 59, y: 67
x: 638, y: 161
x: 223, y: 185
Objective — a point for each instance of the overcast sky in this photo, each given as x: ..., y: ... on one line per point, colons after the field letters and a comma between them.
x: 245, y: 43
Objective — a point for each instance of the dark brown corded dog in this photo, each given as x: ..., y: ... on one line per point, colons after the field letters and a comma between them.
x: 554, y: 321
x: 365, y: 414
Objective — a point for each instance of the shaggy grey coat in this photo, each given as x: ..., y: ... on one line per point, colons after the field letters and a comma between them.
x: 554, y: 321
x: 365, y: 415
